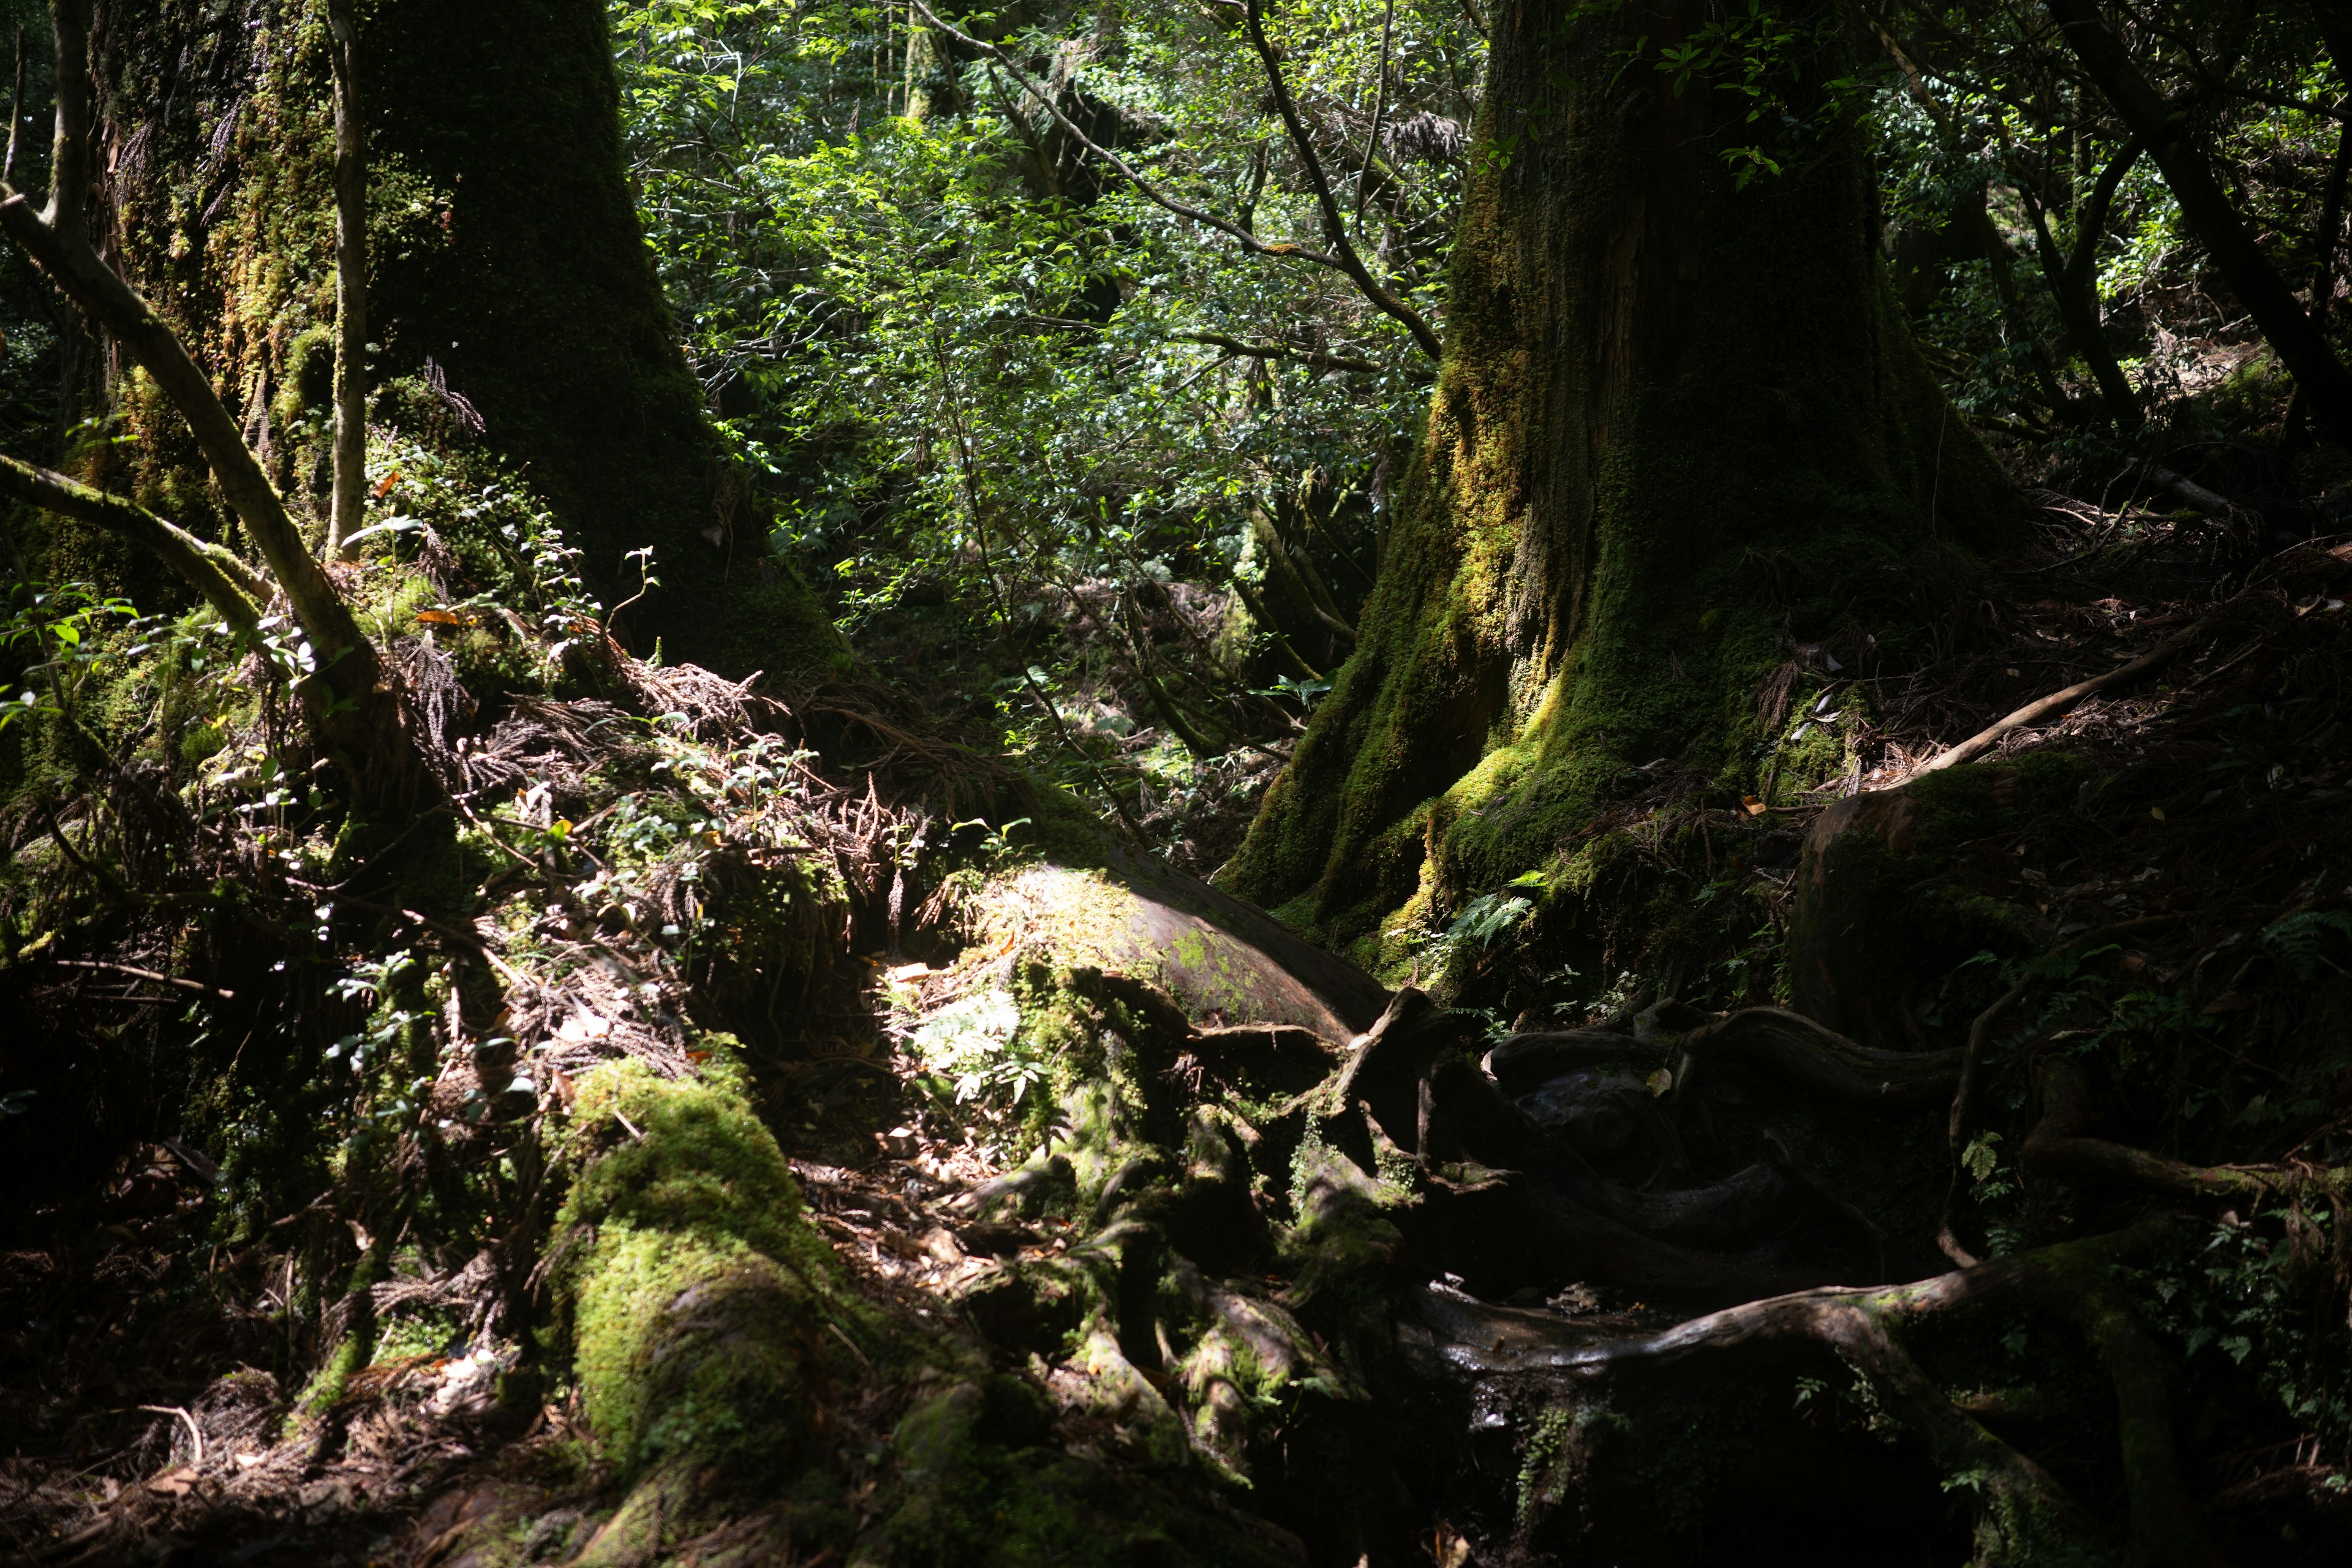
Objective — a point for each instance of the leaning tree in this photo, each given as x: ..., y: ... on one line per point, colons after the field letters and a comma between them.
x: 228, y: 206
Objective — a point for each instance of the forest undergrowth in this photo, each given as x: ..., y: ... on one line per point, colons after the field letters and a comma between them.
x: 752, y: 932
x: 830, y: 1116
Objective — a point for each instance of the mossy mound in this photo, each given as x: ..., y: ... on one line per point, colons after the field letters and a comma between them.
x: 1872, y: 914
x: 707, y: 1314
x: 1219, y: 959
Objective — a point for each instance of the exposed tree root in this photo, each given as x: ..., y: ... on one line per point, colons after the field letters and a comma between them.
x: 2024, y: 1516
x: 1824, y: 1060
x: 2056, y: 1149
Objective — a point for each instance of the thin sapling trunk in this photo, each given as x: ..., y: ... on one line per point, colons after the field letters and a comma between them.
x: 347, y: 516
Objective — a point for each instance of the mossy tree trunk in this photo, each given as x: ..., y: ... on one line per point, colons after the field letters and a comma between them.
x: 504, y: 252
x: 1680, y: 438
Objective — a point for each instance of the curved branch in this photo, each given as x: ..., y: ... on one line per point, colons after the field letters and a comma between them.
x: 1334, y: 228
x: 2056, y: 1149
x: 1280, y: 352
x: 228, y: 585
x: 1824, y: 1059
x: 57, y: 241
x: 2071, y: 1279
x: 1964, y: 1096
x: 1521, y: 1061
x: 1127, y: 171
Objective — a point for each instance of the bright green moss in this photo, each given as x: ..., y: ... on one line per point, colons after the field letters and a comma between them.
x: 699, y: 1296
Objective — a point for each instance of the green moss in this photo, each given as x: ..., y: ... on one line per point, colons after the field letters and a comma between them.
x: 1343, y: 1242
x: 971, y: 1492
x: 700, y: 1297
x: 1862, y: 913
x: 1108, y: 921
x: 417, y: 1333
x: 1618, y: 525
x: 389, y: 608
x: 1958, y: 805
x: 309, y: 375
x: 199, y: 743
x: 355, y: 1351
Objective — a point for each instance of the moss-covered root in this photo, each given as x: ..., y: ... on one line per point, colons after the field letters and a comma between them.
x: 2166, y: 1529
x: 701, y: 1301
x: 1864, y: 915
x: 976, y: 1485
x: 2056, y: 1149
x: 633, y: 1537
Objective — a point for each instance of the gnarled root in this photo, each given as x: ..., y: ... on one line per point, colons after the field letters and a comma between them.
x: 2056, y: 1149
x: 2025, y: 1515
x: 1823, y: 1059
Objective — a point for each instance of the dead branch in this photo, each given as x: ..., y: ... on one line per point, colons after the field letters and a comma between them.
x: 1280, y: 352
x: 2056, y: 702
x: 137, y: 974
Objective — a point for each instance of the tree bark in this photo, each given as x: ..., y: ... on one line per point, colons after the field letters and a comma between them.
x: 932, y: 90
x: 1679, y: 418
x: 541, y: 301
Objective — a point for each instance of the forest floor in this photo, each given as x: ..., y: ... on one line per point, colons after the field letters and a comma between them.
x: 149, y: 1372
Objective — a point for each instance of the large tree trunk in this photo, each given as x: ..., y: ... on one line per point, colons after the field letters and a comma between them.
x: 1680, y: 434
x: 506, y: 255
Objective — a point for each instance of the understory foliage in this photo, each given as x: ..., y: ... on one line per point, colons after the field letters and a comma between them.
x: 801, y: 1115
x: 996, y: 401
x: 1021, y: 420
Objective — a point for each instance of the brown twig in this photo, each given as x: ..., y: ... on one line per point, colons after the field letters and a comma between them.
x: 2056, y: 702
x: 197, y: 986
x: 1280, y: 352
x: 195, y: 1433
